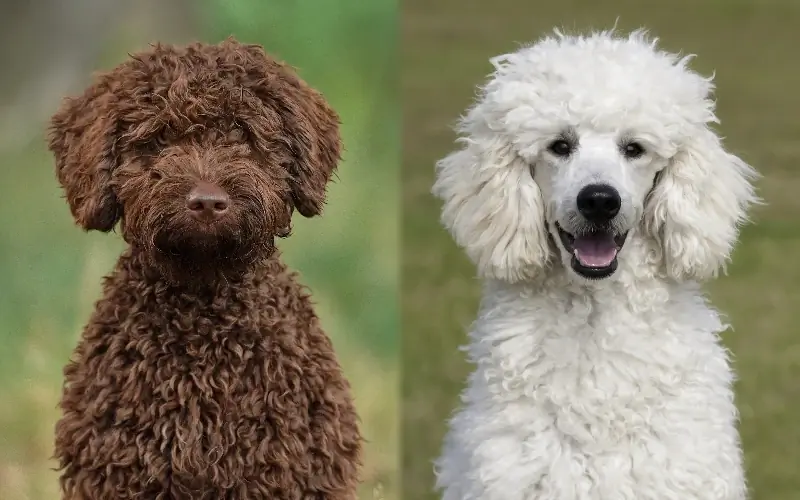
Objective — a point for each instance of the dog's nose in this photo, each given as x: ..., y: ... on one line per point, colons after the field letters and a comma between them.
x: 207, y: 201
x: 599, y: 202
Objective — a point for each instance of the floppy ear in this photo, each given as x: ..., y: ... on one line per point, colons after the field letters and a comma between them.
x: 494, y: 209
x: 697, y: 205
x: 310, y: 125
x: 313, y: 128
x: 82, y: 137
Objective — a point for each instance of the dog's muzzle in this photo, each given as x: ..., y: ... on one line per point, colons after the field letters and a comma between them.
x: 594, y: 252
x: 594, y: 247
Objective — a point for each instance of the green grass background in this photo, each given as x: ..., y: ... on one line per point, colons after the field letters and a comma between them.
x: 50, y: 271
x: 752, y: 45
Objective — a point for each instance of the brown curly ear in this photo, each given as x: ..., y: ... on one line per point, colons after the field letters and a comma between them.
x: 82, y: 137
x: 310, y: 125
x: 314, y: 130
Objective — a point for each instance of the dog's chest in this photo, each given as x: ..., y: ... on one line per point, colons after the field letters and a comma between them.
x: 621, y: 409
x: 203, y: 417
x: 229, y: 413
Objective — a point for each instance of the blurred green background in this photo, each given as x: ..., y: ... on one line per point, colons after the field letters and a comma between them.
x: 50, y: 270
x: 753, y: 47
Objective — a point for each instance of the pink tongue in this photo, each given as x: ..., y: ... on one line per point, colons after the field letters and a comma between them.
x: 595, y: 249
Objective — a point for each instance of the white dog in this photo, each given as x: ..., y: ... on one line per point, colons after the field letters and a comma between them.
x: 593, y: 197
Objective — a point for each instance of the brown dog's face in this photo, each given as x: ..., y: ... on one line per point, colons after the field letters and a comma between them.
x: 202, y: 152
x: 209, y: 198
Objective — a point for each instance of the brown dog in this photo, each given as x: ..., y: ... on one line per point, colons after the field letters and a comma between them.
x: 203, y: 372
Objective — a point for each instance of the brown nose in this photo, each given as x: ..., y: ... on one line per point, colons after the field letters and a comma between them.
x: 207, y: 201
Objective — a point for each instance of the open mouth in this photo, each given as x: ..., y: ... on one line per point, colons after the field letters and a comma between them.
x: 594, y: 253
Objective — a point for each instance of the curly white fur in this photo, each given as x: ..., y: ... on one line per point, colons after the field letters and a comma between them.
x: 594, y: 389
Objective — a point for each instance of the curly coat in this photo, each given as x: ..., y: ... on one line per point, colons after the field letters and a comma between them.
x: 595, y: 197
x: 203, y: 372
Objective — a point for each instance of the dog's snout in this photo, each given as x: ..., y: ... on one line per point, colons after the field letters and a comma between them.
x: 599, y: 203
x: 207, y: 201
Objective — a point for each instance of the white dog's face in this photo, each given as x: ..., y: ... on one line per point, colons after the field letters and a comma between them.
x: 594, y: 186
x: 578, y: 145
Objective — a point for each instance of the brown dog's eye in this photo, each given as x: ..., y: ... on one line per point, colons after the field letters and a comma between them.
x: 236, y: 134
x: 162, y: 140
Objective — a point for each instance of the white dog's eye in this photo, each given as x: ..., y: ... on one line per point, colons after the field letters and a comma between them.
x: 632, y: 150
x: 560, y: 147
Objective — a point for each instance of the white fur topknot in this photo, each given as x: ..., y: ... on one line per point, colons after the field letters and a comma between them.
x: 611, y: 389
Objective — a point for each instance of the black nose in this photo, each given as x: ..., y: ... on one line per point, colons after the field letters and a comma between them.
x: 599, y: 202
x: 207, y: 201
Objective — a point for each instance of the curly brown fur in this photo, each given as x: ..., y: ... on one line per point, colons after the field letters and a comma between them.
x: 203, y: 372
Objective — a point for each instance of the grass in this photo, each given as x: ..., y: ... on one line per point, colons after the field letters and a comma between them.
x: 751, y: 45
x: 51, y: 270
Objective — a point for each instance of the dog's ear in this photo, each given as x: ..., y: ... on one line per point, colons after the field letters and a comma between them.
x: 310, y: 126
x: 494, y: 209
x: 314, y: 130
x: 82, y: 139
x: 696, y: 207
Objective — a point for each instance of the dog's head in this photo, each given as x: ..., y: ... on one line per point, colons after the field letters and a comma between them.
x: 578, y: 145
x: 202, y: 152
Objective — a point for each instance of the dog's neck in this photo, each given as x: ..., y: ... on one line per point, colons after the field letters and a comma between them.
x: 625, y: 308
x: 203, y: 283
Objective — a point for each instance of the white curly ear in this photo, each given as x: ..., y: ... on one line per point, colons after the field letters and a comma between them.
x: 494, y: 209
x: 697, y: 205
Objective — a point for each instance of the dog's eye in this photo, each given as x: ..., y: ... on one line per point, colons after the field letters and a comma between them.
x: 632, y: 150
x: 236, y: 134
x: 162, y: 140
x: 560, y: 147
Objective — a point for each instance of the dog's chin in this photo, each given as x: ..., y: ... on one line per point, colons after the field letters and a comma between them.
x: 206, y: 256
x: 593, y: 253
